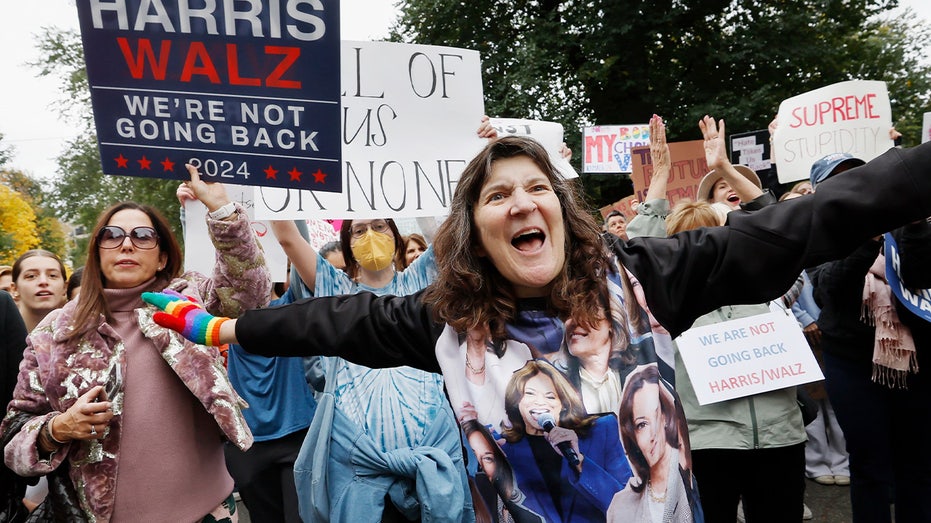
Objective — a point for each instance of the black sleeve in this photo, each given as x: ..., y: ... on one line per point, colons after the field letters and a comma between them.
x: 758, y: 255
x: 13, y: 339
x: 763, y: 200
x: 914, y: 242
x: 841, y: 281
x: 14, y: 342
x: 375, y: 331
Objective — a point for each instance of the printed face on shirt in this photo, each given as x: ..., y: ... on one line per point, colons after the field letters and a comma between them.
x: 520, y: 227
x: 128, y: 266
x: 40, y: 285
x: 649, y: 423
x: 584, y: 343
x: 539, y: 397
x: 484, y: 452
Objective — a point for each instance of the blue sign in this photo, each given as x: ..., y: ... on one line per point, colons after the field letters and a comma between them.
x: 918, y: 301
x: 247, y: 92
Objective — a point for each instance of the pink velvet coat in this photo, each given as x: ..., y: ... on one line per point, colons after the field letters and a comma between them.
x: 55, y: 372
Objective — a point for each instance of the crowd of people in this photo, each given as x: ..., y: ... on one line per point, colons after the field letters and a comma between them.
x: 520, y: 364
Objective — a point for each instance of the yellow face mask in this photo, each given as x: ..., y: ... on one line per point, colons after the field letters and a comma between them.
x: 374, y: 251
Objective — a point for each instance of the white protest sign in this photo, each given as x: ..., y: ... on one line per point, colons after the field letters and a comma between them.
x: 321, y: 232
x: 926, y: 128
x: 410, y: 115
x: 607, y: 147
x: 747, y: 356
x: 199, y: 254
x: 847, y: 117
x: 549, y: 134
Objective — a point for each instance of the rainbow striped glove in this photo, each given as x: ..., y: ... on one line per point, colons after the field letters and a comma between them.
x: 183, y: 314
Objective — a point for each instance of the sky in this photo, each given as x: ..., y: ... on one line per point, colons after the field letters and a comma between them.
x: 28, y: 120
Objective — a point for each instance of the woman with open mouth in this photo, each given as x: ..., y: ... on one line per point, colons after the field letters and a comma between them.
x: 519, y: 233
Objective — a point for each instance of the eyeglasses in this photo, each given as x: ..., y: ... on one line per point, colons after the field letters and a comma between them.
x: 359, y: 230
x: 112, y: 236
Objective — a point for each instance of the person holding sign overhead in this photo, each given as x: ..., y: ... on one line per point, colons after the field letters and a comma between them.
x: 518, y: 237
x: 728, y: 438
x: 872, y: 347
x: 129, y: 416
x: 402, y: 408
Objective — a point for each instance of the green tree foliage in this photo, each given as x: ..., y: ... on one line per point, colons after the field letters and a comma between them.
x: 580, y: 62
x: 81, y: 191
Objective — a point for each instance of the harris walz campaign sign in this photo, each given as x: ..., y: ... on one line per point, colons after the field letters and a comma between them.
x: 248, y: 92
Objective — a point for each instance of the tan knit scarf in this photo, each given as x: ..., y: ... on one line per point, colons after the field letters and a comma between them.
x: 893, y: 349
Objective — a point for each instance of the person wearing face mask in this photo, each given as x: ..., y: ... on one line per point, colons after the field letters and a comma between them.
x: 385, y: 411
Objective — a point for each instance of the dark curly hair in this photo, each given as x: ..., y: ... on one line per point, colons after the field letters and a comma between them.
x: 469, y: 292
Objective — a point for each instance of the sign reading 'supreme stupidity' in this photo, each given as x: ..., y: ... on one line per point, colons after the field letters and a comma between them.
x: 248, y: 92
x: 848, y: 117
x: 747, y: 356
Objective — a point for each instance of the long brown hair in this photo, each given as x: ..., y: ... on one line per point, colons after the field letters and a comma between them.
x: 469, y: 292
x: 91, y: 301
x: 345, y: 240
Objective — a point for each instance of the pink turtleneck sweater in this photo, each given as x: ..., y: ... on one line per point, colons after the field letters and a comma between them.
x: 171, y: 464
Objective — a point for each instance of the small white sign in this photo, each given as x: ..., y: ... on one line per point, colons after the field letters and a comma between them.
x: 926, y: 128
x: 199, y: 253
x: 549, y: 134
x: 747, y: 356
x: 847, y: 117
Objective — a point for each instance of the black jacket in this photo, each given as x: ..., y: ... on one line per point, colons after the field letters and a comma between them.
x: 755, y: 258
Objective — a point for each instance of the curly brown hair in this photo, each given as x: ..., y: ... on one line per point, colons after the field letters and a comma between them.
x: 469, y: 292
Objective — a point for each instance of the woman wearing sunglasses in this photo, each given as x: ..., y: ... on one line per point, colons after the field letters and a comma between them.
x: 136, y: 412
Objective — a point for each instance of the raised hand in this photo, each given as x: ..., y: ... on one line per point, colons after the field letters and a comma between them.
x: 661, y: 159
x: 715, y: 149
x: 213, y: 195
x: 485, y: 130
x: 183, y: 315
